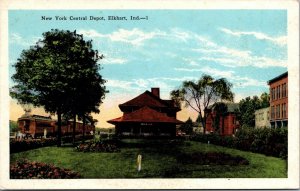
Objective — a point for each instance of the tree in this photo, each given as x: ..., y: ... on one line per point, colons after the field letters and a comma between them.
x: 13, y: 126
x: 60, y: 73
x: 199, y: 95
x: 265, y: 100
x: 187, y: 127
x: 248, y: 106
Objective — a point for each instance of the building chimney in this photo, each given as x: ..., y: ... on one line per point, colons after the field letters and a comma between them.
x: 155, y: 91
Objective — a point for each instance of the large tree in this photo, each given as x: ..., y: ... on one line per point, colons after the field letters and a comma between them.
x: 247, y: 107
x: 61, y: 74
x: 199, y: 95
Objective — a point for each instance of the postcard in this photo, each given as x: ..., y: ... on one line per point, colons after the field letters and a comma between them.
x: 149, y: 95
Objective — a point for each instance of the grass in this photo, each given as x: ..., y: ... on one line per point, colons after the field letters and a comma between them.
x: 159, y: 161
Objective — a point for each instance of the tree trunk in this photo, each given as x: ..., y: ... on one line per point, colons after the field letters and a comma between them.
x: 58, y: 128
x: 74, y: 128
x: 203, y: 122
x: 83, y: 128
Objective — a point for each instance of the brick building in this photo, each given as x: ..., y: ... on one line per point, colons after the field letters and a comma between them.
x: 37, y: 125
x: 147, y: 115
x: 226, y: 121
x: 279, y: 101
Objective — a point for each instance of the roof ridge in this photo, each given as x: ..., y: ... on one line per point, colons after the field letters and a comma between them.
x: 147, y: 92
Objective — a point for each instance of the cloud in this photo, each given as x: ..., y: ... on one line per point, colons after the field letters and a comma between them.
x: 110, y: 60
x: 126, y: 85
x: 238, y: 81
x: 204, y: 48
x: 281, y: 40
x: 134, y: 37
x: 16, y: 38
x: 237, y: 58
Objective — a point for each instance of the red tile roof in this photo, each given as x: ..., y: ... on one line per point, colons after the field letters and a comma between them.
x: 145, y: 114
x: 145, y: 99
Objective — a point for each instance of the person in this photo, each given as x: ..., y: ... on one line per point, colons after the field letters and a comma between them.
x: 19, y: 136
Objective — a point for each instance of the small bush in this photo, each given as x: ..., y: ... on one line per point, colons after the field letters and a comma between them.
x: 99, y: 146
x: 34, y: 170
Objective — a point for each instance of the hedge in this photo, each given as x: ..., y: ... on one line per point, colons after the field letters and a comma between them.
x: 28, y: 144
x: 271, y: 142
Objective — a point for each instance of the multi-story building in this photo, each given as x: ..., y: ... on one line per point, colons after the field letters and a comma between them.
x: 279, y: 101
x: 262, y: 118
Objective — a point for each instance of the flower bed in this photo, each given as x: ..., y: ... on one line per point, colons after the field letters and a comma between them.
x: 35, y: 170
x: 98, y: 146
x: 211, y: 158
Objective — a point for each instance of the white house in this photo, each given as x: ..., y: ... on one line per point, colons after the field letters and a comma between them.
x: 262, y: 118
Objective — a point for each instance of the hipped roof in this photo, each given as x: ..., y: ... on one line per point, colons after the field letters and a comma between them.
x: 145, y: 115
x: 231, y: 107
x: 150, y: 100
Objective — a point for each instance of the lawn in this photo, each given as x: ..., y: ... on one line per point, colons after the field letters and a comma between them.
x: 159, y: 160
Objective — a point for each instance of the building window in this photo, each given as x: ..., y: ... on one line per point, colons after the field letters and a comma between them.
x: 284, y: 90
x: 272, y: 112
x: 273, y: 94
x: 278, y: 92
x: 284, y: 110
x: 278, y: 111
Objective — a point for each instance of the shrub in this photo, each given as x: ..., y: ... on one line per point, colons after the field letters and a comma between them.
x: 99, y: 146
x: 34, y: 170
x: 266, y: 141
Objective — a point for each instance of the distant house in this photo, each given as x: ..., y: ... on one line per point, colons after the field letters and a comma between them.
x: 37, y: 125
x: 147, y: 115
x: 262, y: 118
x: 226, y: 122
x: 279, y: 101
x: 197, y: 127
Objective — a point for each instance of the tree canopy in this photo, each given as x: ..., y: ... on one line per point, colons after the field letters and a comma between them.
x: 248, y: 106
x: 61, y: 74
x: 199, y: 95
x: 187, y: 127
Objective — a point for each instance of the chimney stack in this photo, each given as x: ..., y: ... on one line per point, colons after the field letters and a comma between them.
x: 155, y: 91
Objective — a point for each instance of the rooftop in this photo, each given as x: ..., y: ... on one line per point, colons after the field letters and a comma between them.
x: 231, y: 107
x: 147, y: 115
x: 278, y: 78
x: 148, y: 99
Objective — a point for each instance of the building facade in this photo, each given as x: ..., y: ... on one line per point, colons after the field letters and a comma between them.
x: 279, y: 101
x: 147, y: 115
x: 37, y: 126
x: 262, y: 118
x: 223, y: 123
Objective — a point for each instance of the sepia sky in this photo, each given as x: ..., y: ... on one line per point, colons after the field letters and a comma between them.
x: 248, y: 48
